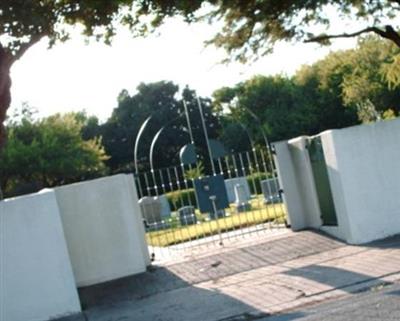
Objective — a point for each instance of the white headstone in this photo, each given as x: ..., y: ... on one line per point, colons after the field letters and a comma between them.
x: 187, y: 215
x: 230, y: 187
x: 165, y: 208
x: 241, y: 200
x: 270, y: 189
x: 151, y: 209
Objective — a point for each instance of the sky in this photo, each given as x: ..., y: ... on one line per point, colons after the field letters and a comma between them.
x: 76, y: 76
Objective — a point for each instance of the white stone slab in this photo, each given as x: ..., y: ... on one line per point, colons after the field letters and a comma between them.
x: 103, y: 228
x: 36, y: 279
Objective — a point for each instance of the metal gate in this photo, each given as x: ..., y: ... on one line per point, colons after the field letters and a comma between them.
x: 184, y: 207
x: 172, y: 215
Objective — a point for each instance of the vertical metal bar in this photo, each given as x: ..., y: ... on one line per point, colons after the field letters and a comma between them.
x: 233, y: 215
x: 156, y: 195
x: 235, y: 165
x: 190, y: 201
x: 221, y: 171
x: 153, y: 175
x: 269, y: 190
x: 213, y: 199
x: 188, y: 122
x: 265, y: 170
x: 244, y: 172
x: 164, y: 193
x: 202, y: 224
x: 228, y: 166
x: 206, y: 135
x: 183, y: 203
x: 253, y: 179
x: 139, y: 183
x: 149, y: 232
x: 225, y: 218
x: 251, y: 172
x: 239, y: 214
x: 271, y: 161
x: 171, y: 186
x: 146, y: 180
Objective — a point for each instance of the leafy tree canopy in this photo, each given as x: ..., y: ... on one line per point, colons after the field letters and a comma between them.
x: 364, y: 78
x: 49, y: 152
x: 253, y: 27
x: 25, y: 22
x: 161, y: 101
x: 286, y: 108
x: 250, y: 28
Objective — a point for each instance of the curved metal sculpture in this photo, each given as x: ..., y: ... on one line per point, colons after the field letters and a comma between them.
x: 155, y: 138
x: 139, y: 135
x: 258, y: 120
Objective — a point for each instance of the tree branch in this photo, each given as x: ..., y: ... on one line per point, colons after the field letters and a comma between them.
x: 323, y: 38
x: 387, y: 33
x: 25, y: 46
x: 390, y: 34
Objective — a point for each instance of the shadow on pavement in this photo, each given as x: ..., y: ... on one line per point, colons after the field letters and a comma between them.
x: 155, y: 280
x: 392, y: 242
x: 286, y: 317
x: 335, y: 277
x: 159, y: 294
x: 397, y: 293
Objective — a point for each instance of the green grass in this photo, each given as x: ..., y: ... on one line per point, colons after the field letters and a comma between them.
x: 259, y: 213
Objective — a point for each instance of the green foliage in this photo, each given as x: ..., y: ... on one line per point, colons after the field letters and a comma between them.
x: 234, y: 136
x: 285, y: 107
x: 252, y: 28
x: 388, y: 114
x: 258, y: 214
x: 254, y: 182
x: 160, y: 101
x: 340, y: 90
x: 361, y: 78
x: 195, y: 172
x: 120, y: 131
x: 249, y: 27
x: 49, y: 152
x: 26, y: 22
x: 180, y: 198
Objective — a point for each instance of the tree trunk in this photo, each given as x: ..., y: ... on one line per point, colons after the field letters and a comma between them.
x: 5, y: 95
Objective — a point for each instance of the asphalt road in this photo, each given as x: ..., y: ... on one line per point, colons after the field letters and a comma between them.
x: 380, y: 303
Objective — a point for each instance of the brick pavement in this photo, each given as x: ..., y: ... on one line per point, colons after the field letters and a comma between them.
x: 275, y: 275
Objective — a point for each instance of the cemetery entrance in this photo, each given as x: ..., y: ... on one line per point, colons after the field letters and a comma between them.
x: 190, y: 205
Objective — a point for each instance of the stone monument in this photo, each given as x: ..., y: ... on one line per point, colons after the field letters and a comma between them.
x: 241, y: 199
x: 270, y: 188
x: 187, y: 215
x: 151, y: 210
x: 230, y: 187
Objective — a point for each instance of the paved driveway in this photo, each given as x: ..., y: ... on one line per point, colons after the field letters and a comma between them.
x: 248, y: 282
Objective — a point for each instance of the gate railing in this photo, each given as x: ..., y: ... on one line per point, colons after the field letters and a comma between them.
x: 170, y: 208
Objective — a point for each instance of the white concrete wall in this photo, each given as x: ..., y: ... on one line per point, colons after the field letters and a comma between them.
x: 103, y: 229
x: 305, y: 181
x: 296, y: 179
x: 36, y: 279
x: 342, y: 230
x: 363, y: 165
x: 364, y: 170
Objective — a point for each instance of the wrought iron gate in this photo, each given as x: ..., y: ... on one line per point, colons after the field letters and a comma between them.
x: 183, y: 207
x: 170, y: 204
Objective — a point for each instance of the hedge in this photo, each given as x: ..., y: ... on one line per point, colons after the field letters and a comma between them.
x: 178, y: 199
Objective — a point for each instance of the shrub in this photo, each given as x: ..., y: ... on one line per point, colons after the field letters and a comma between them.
x: 178, y: 199
x: 254, y: 181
